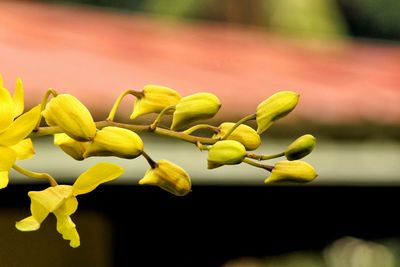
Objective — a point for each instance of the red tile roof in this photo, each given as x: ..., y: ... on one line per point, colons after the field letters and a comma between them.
x: 96, y: 54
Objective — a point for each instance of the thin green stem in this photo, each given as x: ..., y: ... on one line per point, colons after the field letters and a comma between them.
x: 265, y: 157
x: 113, y: 111
x: 197, y: 127
x: 258, y: 165
x: 157, y: 121
x: 185, y: 137
x: 151, y: 162
x: 43, y: 104
x: 36, y: 175
x: 202, y: 147
x: 243, y: 120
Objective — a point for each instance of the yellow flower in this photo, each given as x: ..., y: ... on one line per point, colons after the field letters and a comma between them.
x: 114, y: 141
x: 62, y: 202
x: 292, y: 171
x: 226, y: 152
x: 14, y: 128
x: 155, y: 99
x: 243, y: 134
x: 193, y: 108
x: 301, y: 147
x: 169, y: 177
x: 275, y: 107
x: 67, y: 112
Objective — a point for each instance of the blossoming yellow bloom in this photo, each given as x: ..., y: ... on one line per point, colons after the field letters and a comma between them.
x: 62, y: 202
x: 14, y: 128
x: 169, y: 177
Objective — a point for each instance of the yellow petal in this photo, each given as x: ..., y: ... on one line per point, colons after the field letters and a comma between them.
x: 6, y: 109
x: 96, y: 175
x: 67, y: 228
x: 32, y: 223
x: 69, y: 206
x: 7, y: 158
x: 70, y: 146
x: 21, y: 127
x: 18, y: 98
x: 3, y: 179
x: 27, y: 224
x: 24, y: 149
x: 67, y: 112
x: 51, y: 198
x: 39, y: 212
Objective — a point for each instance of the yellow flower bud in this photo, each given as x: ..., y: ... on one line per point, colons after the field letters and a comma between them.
x: 226, y: 152
x: 114, y: 141
x: 292, y: 171
x: 169, y: 177
x: 275, y: 107
x: 70, y: 146
x: 301, y: 147
x: 243, y: 134
x: 155, y: 99
x: 193, y: 108
x: 67, y: 112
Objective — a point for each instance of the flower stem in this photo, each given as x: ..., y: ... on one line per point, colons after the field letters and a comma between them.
x: 154, y: 125
x: 197, y: 127
x: 243, y: 120
x: 151, y: 162
x: 43, y: 104
x: 259, y: 165
x: 36, y: 175
x: 113, y: 111
x: 264, y: 157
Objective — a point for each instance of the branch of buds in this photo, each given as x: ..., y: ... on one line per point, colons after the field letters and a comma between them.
x: 79, y: 136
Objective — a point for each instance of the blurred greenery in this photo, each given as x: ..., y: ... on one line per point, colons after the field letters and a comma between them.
x: 316, y: 18
x: 343, y: 252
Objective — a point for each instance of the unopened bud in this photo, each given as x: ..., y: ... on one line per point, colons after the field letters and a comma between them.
x: 67, y: 112
x: 114, y: 141
x: 193, y: 108
x: 244, y: 134
x: 70, y: 146
x: 155, y: 99
x: 226, y: 152
x: 275, y: 107
x: 292, y: 171
x: 169, y: 177
x: 301, y: 147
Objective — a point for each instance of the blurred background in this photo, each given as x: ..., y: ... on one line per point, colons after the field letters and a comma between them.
x: 343, y: 57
